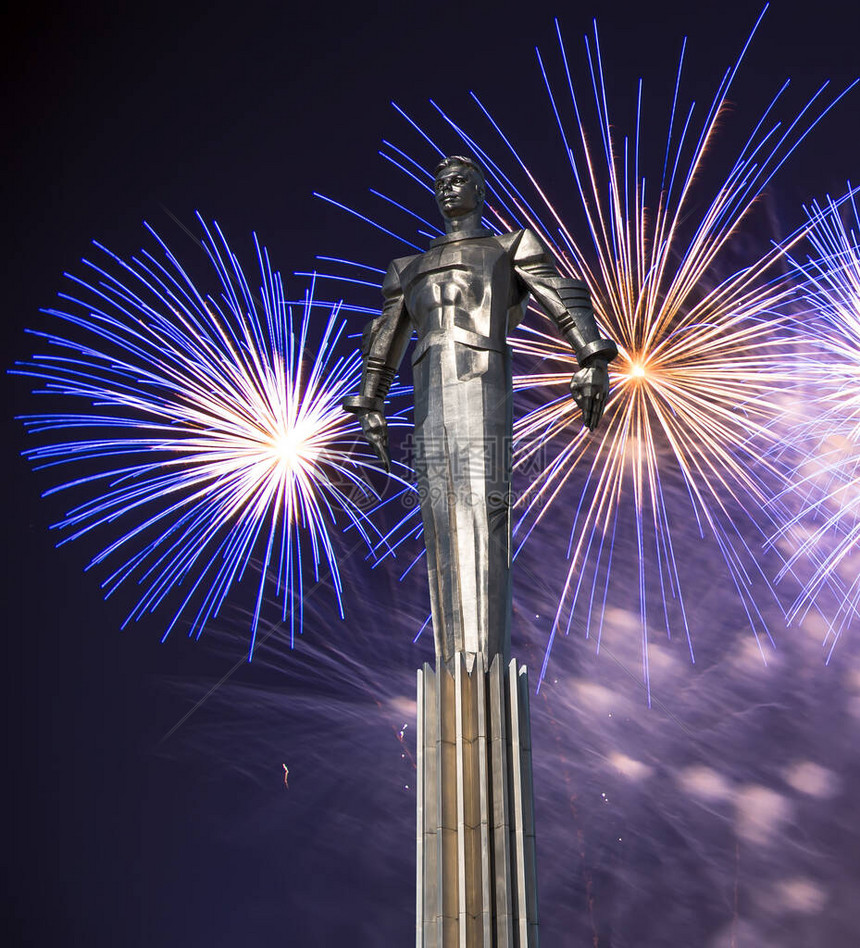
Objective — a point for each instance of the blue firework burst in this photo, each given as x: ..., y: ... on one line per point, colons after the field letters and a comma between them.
x: 210, y: 440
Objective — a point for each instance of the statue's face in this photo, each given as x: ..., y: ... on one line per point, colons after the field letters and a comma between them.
x: 458, y: 192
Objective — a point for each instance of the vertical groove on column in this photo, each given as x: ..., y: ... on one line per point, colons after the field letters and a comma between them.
x: 485, y: 802
x: 499, y: 791
x: 462, y: 842
x: 430, y: 794
x: 447, y: 796
x: 468, y: 807
x: 419, y: 808
x: 522, y: 827
x: 521, y: 684
x: 518, y: 880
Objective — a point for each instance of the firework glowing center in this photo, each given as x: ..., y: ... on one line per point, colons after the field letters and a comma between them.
x: 292, y: 448
x: 267, y: 456
x: 637, y: 372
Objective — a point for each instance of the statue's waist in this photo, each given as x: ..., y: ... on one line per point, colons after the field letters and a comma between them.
x: 456, y: 334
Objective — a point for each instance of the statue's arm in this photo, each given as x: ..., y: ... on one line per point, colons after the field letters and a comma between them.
x: 383, y: 343
x: 568, y: 303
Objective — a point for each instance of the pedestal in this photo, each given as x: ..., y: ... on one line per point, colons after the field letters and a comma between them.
x: 476, y: 881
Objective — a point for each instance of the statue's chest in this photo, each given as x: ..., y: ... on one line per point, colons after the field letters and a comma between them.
x: 456, y: 279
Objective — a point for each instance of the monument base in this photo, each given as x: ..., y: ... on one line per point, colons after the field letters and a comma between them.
x: 476, y: 880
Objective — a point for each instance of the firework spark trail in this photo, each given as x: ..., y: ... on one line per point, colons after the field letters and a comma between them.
x: 822, y: 452
x: 214, y: 431
x: 702, y: 355
x: 695, y: 351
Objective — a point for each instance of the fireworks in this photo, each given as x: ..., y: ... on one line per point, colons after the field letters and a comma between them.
x: 213, y: 436
x: 702, y: 351
x: 823, y: 452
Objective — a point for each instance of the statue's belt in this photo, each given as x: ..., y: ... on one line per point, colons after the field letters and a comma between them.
x: 456, y: 334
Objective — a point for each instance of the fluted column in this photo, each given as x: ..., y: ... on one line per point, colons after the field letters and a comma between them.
x: 476, y: 883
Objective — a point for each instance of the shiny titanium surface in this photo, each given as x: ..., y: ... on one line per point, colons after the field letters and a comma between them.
x: 462, y: 298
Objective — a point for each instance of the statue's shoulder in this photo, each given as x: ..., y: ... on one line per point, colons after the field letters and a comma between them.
x: 401, y: 263
x: 523, y: 246
x: 391, y: 283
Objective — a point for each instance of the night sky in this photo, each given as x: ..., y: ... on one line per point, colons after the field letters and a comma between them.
x: 723, y: 816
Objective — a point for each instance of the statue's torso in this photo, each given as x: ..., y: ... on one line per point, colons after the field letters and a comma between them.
x: 461, y: 296
x: 467, y: 284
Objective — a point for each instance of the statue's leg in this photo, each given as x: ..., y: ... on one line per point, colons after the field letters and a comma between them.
x: 462, y: 466
x: 481, y: 403
x: 497, y: 474
x: 434, y: 480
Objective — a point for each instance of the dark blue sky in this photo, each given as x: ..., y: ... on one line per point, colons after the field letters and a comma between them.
x: 120, y: 839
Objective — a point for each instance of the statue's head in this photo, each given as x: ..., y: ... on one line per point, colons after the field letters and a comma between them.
x: 459, y: 186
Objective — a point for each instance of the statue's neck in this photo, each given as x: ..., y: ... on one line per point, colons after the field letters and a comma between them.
x: 466, y: 222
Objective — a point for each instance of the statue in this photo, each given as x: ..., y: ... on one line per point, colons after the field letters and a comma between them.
x: 462, y: 298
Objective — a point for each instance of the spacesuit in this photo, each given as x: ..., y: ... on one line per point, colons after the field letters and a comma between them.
x: 461, y: 298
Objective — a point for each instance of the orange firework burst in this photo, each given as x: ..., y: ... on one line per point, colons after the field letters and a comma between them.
x: 702, y: 358
x: 702, y: 343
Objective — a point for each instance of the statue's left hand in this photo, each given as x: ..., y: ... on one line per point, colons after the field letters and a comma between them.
x: 590, y: 390
x: 375, y: 430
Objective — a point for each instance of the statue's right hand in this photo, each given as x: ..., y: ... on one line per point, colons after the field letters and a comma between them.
x: 375, y: 430
x: 590, y: 390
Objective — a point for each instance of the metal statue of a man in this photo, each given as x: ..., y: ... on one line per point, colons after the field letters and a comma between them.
x: 462, y: 298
